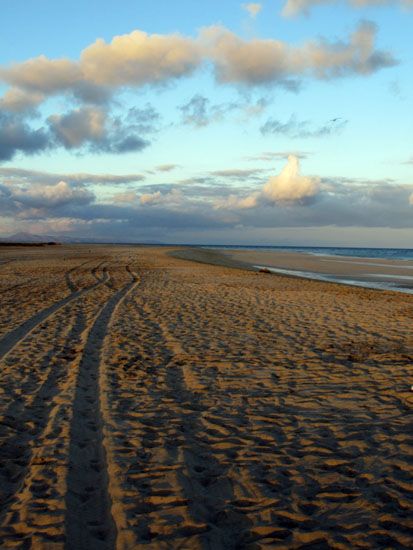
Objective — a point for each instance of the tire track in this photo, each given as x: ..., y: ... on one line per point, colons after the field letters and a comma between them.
x: 32, y: 454
x: 14, y: 337
x: 89, y: 521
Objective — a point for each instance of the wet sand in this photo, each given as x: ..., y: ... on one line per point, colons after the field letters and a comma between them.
x: 373, y: 272
x: 149, y: 401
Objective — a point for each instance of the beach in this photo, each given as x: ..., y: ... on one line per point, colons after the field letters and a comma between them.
x: 156, y: 397
x: 378, y: 273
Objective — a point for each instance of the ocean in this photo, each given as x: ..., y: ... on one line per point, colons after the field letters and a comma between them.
x: 378, y: 253
x: 369, y: 274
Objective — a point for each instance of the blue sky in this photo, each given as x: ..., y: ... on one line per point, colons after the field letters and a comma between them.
x: 228, y: 122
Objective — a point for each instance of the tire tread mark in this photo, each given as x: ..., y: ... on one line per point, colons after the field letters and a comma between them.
x: 89, y: 521
x: 14, y: 337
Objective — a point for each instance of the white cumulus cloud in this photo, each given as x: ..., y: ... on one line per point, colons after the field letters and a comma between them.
x: 290, y: 186
x: 287, y: 188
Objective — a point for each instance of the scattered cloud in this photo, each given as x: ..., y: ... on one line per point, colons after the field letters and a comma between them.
x: 288, y: 199
x: 46, y: 196
x: 128, y: 197
x: 89, y: 128
x: 237, y: 173
x: 269, y: 156
x: 92, y: 127
x: 263, y: 62
x: 234, y: 202
x: 253, y: 9
x: 294, y: 128
x: 166, y: 167
x: 22, y: 176
x: 138, y: 59
x: 16, y: 136
x: 293, y: 8
x: 199, y: 111
x: 77, y: 127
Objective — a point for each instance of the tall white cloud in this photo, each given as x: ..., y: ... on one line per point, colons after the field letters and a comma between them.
x: 290, y: 186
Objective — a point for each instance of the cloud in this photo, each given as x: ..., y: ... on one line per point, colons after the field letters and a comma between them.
x: 253, y: 9
x: 294, y: 128
x: 259, y: 62
x: 77, y: 127
x: 22, y: 176
x: 42, y: 201
x: 129, y: 197
x: 138, y: 59
x: 290, y: 186
x: 16, y: 100
x: 173, y: 199
x: 166, y: 167
x: 134, y: 59
x: 199, y: 111
x: 86, y: 128
x: 46, y: 196
x: 296, y: 7
x: 270, y: 156
x: 150, y: 198
x: 43, y: 75
x: 16, y: 136
x: 92, y: 127
x: 213, y: 209
x: 233, y: 202
x: 236, y: 173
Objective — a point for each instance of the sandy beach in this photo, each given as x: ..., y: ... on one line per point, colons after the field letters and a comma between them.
x: 367, y: 272
x: 152, y: 401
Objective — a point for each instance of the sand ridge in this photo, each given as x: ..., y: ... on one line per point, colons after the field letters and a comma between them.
x: 156, y: 402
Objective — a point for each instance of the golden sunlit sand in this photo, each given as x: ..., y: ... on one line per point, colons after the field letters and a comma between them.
x: 149, y: 401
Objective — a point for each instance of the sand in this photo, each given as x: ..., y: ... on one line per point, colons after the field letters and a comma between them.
x: 149, y: 401
x: 369, y: 272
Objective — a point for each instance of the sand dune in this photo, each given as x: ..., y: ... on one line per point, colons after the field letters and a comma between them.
x: 152, y: 402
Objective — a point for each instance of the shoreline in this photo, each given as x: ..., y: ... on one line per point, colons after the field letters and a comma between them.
x: 357, y: 272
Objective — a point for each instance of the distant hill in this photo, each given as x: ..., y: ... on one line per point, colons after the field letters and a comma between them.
x: 31, y: 238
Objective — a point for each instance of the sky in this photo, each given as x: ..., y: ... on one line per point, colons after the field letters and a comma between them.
x: 283, y: 122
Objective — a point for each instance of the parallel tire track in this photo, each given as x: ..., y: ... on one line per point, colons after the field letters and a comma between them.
x: 89, y: 522
x: 14, y: 337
